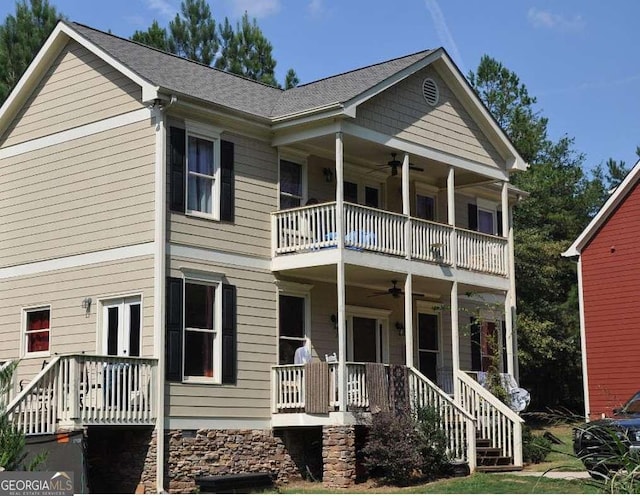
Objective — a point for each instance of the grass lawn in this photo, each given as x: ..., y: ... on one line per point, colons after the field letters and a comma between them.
x: 477, y: 483
x: 561, y: 458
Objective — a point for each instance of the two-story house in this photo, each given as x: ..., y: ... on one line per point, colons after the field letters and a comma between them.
x: 172, y: 235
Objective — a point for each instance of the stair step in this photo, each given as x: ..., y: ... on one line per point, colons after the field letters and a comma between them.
x: 498, y: 468
x: 493, y: 461
x: 483, y: 443
x: 488, y: 451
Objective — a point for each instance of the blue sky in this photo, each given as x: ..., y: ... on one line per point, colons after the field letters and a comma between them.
x: 578, y: 57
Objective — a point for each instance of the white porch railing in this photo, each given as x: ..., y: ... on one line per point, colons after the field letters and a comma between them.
x: 313, y: 227
x: 494, y: 420
x: 76, y: 390
x: 481, y: 252
x: 289, y: 396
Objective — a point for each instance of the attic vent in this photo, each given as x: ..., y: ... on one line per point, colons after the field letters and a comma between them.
x: 430, y: 92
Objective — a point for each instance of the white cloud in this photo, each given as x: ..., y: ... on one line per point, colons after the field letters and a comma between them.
x: 162, y: 7
x: 548, y: 20
x: 444, y: 35
x: 316, y: 7
x: 256, y: 8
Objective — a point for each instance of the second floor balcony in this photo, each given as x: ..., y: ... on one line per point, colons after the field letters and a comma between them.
x: 315, y: 227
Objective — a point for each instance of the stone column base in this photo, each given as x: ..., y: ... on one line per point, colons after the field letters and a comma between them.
x: 338, y: 456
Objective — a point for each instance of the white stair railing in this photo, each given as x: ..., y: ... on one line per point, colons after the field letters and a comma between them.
x: 455, y: 421
x: 34, y: 410
x: 494, y: 420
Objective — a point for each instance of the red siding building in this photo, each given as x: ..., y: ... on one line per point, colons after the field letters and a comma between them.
x: 608, y: 252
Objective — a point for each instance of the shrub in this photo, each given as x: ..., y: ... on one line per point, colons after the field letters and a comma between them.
x: 401, y: 447
x: 534, y: 448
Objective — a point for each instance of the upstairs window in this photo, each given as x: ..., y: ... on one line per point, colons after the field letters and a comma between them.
x: 202, y: 168
x: 37, y: 331
x: 291, y: 184
x: 425, y: 207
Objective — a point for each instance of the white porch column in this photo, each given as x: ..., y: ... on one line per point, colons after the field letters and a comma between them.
x: 406, y: 206
x: 408, y: 319
x: 340, y: 277
x: 508, y: 301
x: 451, y: 215
x: 455, y: 339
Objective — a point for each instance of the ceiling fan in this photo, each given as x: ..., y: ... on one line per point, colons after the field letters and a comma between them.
x: 394, y: 291
x: 394, y: 163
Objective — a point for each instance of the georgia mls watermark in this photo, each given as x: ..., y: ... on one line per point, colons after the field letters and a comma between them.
x: 36, y: 483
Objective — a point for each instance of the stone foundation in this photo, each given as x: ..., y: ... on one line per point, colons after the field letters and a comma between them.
x: 121, y: 460
x: 339, y: 456
x: 194, y: 453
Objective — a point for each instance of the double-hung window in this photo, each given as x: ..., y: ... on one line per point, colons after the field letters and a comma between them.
x: 291, y: 184
x: 37, y: 331
x: 294, y: 319
x: 202, y: 325
x: 203, y: 171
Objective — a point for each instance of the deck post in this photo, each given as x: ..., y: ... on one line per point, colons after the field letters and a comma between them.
x: 508, y: 301
x: 451, y: 215
x: 455, y: 339
x: 408, y: 319
x: 406, y: 207
x: 340, y: 277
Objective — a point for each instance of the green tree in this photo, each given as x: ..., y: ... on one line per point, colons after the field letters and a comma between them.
x: 155, y: 37
x: 562, y: 200
x: 192, y: 33
x: 21, y: 36
x: 291, y: 80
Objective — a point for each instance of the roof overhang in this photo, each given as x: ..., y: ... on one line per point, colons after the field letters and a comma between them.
x: 52, y: 47
x: 605, y: 212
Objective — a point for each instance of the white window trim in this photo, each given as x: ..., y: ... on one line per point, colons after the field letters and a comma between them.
x: 490, y: 207
x: 101, y: 304
x: 209, y: 279
x: 302, y: 161
x: 209, y: 133
x: 381, y: 316
x: 24, y: 353
x: 287, y: 288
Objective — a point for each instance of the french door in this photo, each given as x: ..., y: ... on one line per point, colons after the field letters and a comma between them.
x: 121, y: 326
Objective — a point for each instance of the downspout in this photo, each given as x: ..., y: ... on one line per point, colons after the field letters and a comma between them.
x: 583, y: 342
x: 159, y: 275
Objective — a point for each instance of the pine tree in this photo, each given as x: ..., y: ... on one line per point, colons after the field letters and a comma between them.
x: 192, y: 33
x: 155, y: 37
x: 21, y: 36
x: 291, y: 80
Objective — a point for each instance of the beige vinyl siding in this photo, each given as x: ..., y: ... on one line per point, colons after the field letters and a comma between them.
x: 402, y: 111
x: 257, y: 347
x: 72, y: 330
x: 79, y: 88
x: 255, y: 198
x: 89, y: 194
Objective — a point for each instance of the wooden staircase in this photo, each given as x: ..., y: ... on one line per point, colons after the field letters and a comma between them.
x: 490, y: 459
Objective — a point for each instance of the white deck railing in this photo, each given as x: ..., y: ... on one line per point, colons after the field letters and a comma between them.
x: 494, y: 420
x: 76, y: 390
x: 310, y: 228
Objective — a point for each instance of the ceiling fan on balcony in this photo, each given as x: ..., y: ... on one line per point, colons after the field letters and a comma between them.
x: 396, y: 164
x: 394, y: 291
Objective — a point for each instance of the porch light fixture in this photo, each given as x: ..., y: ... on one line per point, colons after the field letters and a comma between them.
x: 334, y: 321
x: 86, y: 304
x: 328, y: 174
x: 400, y: 328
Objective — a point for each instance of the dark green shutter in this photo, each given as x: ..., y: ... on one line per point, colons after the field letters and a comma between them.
x: 499, y: 222
x: 229, y: 324
x: 177, y: 169
x: 476, y: 359
x: 227, y: 180
x: 174, y: 329
x: 473, y: 217
x: 504, y: 347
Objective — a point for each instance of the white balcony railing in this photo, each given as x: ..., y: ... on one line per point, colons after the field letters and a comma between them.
x: 76, y: 390
x: 313, y: 227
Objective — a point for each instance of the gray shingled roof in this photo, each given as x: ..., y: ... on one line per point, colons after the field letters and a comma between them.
x: 192, y: 79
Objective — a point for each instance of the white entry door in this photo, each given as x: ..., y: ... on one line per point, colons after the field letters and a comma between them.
x: 121, y: 326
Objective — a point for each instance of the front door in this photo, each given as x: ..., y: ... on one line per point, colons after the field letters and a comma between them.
x: 428, y: 345
x: 366, y: 338
x: 122, y: 324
